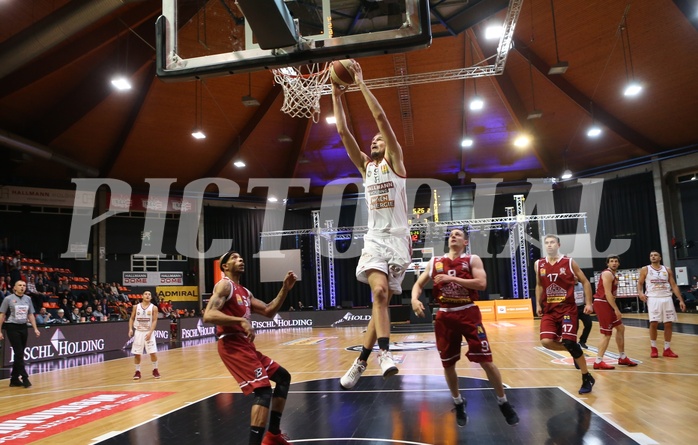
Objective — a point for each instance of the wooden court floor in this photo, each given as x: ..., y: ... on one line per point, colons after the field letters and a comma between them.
x: 655, y: 402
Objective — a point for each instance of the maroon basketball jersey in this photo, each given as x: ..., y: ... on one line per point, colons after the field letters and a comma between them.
x: 557, y: 281
x: 452, y: 294
x: 237, y: 305
x: 600, y: 291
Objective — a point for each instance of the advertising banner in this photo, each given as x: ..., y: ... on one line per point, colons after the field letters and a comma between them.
x: 520, y: 308
x: 487, y: 310
x: 177, y: 293
x: 190, y: 328
x: 310, y: 319
x: 70, y: 340
x: 152, y: 278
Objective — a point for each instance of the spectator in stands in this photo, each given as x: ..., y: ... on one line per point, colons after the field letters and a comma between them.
x: 3, y: 287
x: 300, y: 305
x: 75, y: 315
x: 61, y: 317
x: 174, y: 315
x: 89, y: 315
x: 42, y: 316
x: 98, y: 314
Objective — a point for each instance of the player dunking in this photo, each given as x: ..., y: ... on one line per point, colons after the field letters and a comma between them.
x: 229, y: 308
x: 386, y: 252
x: 555, y: 304
x: 457, y: 278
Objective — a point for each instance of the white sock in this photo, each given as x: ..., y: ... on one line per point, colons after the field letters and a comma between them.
x: 653, y: 343
x: 622, y: 355
x: 138, y: 367
x: 458, y: 400
x: 502, y: 400
x: 155, y: 364
x: 667, y: 344
x: 599, y: 359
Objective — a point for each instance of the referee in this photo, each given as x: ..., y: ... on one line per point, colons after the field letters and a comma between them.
x: 20, y: 309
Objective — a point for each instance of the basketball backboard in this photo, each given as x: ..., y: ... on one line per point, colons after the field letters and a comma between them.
x: 199, y: 38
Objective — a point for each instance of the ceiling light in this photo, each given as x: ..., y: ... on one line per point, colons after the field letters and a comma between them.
x: 331, y: 120
x: 466, y: 142
x: 198, y: 133
x: 248, y: 100
x: 476, y: 103
x: 121, y: 83
x: 272, y: 199
x: 632, y: 89
x: 494, y: 32
x: 535, y: 114
x: 593, y: 131
x: 693, y: 178
x: 522, y: 141
x: 284, y: 138
x: 239, y: 164
x: 558, y: 68
x: 567, y: 174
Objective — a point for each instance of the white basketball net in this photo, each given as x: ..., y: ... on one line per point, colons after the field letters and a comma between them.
x: 302, y: 90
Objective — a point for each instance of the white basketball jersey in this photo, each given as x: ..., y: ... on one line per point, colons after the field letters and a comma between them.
x: 386, y: 199
x: 144, y: 318
x: 657, y: 282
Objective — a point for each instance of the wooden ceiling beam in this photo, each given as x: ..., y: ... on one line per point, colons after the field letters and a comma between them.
x: 116, y: 149
x: 470, y: 15
x: 300, y: 140
x: 600, y: 115
x: 516, y: 108
x: 239, y: 140
x: 80, y: 48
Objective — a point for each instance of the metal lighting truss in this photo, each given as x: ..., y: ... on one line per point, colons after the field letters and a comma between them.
x: 511, y: 221
x: 330, y: 264
x: 318, y: 259
x: 521, y: 230
x: 495, y: 69
x: 512, y: 256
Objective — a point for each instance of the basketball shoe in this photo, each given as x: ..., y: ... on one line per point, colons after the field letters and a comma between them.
x: 156, y: 373
x: 603, y: 365
x: 654, y: 353
x: 587, y: 383
x: 137, y: 375
x: 669, y: 353
x: 275, y: 439
x: 509, y: 414
x: 387, y: 364
x: 461, y: 415
x: 626, y: 361
x: 352, y: 376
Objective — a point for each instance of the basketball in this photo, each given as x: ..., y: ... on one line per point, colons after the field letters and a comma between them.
x: 341, y: 75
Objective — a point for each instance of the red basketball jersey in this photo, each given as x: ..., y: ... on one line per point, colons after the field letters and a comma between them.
x: 557, y: 281
x: 452, y: 294
x: 237, y: 305
x: 600, y: 291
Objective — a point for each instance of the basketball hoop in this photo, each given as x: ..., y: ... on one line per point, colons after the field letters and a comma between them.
x: 302, y: 90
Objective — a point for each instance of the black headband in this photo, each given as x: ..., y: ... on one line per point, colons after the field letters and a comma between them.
x: 225, y: 258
